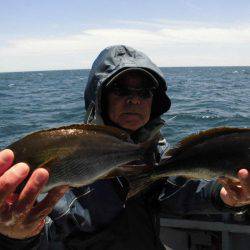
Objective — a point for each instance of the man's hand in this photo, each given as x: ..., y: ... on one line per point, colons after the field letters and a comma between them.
x: 20, y: 217
x: 236, y: 193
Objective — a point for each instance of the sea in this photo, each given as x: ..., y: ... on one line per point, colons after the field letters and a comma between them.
x: 202, y: 98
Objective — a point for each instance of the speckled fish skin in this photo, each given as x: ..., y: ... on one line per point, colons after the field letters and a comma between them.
x: 212, y: 153
x: 76, y: 155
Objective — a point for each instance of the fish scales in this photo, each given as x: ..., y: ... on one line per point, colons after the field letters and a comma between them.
x: 215, y: 156
x: 85, y: 170
x: 51, y: 143
x: 209, y: 154
x: 76, y: 155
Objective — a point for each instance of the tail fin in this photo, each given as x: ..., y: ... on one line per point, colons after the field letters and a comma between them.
x: 149, y: 150
x: 139, y: 183
x: 144, y: 180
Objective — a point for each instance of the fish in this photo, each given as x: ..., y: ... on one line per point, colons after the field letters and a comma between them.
x: 214, y: 153
x: 79, y: 154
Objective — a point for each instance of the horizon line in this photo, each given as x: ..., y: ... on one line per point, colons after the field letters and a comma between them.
x: 45, y: 70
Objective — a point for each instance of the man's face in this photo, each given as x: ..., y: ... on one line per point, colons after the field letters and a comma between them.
x: 129, y: 111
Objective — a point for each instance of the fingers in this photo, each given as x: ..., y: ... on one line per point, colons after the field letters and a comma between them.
x: 43, y: 208
x: 228, y: 194
x: 11, y: 179
x: 31, y: 190
x: 236, y: 193
x: 245, y: 182
x: 6, y: 160
x: 232, y: 185
x: 38, y: 228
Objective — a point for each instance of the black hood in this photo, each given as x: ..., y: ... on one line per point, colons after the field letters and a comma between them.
x: 112, y: 61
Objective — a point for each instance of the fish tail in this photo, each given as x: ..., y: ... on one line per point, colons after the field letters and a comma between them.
x: 137, y: 183
x: 149, y: 150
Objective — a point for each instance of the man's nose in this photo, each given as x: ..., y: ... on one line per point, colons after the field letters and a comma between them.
x: 134, y: 99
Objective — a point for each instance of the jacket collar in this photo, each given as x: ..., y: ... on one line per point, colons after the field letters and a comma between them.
x: 151, y: 129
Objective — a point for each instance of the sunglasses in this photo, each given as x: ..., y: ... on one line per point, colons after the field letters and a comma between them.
x: 143, y: 93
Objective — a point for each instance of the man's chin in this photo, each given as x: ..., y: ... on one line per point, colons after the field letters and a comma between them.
x: 130, y: 127
x: 131, y: 123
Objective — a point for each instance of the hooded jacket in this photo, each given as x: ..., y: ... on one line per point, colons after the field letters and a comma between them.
x: 99, y: 216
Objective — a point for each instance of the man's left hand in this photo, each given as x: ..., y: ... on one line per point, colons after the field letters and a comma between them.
x: 236, y: 193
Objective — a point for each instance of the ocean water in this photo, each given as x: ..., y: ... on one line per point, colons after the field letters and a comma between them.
x: 202, y: 98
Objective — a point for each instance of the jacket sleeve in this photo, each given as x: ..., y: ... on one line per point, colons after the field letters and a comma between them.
x: 14, y: 244
x: 53, y: 236
x: 181, y: 196
x: 178, y: 195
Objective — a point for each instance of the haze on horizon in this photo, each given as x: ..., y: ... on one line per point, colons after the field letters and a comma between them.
x: 52, y: 35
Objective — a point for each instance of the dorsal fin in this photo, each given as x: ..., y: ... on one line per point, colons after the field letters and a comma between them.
x: 113, y: 131
x: 116, y: 132
x: 202, y: 136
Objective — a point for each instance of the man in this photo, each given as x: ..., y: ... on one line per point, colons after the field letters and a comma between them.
x: 126, y: 90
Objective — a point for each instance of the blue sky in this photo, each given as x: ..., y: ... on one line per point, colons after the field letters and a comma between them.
x: 42, y: 35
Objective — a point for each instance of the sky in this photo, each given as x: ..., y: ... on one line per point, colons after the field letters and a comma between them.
x: 64, y: 34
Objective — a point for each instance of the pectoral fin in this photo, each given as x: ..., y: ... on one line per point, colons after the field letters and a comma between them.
x: 127, y: 170
x: 46, y: 164
x: 49, y: 163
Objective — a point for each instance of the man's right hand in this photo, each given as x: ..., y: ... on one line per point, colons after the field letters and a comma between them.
x: 20, y: 216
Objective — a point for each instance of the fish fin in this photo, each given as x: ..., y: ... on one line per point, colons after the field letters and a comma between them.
x: 137, y: 185
x: 139, y: 182
x: 46, y: 164
x: 127, y: 170
x: 190, y: 177
x: 112, y: 174
x: 150, y: 147
x: 165, y: 160
x: 202, y: 136
x: 134, y: 169
x: 113, y: 131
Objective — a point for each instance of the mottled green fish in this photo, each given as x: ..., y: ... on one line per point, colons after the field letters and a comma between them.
x: 208, y: 154
x: 78, y: 155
